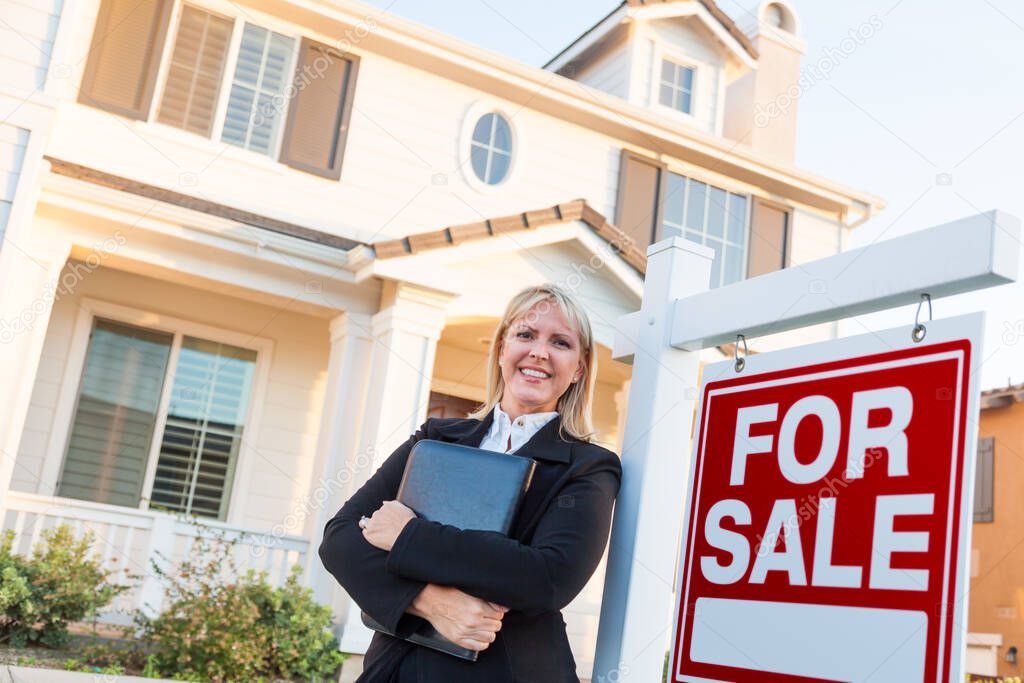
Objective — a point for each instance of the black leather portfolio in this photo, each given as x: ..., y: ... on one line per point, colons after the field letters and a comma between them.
x: 464, y: 487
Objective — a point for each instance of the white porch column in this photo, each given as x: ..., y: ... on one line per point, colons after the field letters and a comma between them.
x: 636, y: 607
x: 29, y: 275
x: 405, y: 334
x: 338, y: 460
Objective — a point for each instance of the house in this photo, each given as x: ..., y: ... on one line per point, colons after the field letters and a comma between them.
x: 996, y: 607
x: 248, y: 246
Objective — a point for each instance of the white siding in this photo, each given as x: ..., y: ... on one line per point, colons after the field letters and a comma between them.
x: 12, y: 154
x: 27, y: 31
x: 610, y: 72
x: 284, y: 441
x: 405, y: 166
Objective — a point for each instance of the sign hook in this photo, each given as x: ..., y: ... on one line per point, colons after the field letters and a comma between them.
x: 919, y: 331
x: 741, y: 361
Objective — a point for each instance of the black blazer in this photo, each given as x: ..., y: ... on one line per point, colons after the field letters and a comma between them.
x: 555, y: 545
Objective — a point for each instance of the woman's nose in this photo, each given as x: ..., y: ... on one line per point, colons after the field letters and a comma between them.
x: 538, y: 352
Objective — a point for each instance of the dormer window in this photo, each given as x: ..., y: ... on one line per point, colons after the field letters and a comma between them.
x: 676, y: 89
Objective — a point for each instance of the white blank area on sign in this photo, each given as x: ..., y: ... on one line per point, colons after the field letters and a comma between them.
x: 858, y: 644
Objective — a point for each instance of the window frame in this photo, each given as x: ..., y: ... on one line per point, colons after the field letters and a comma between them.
x: 473, y: 114
x: 749, y: 200
x: 676, y: 88
x: 227, y: 79
x: 167, y: 53
x: 70, y: 385
x: 663, y: 53
x: 274, y: 154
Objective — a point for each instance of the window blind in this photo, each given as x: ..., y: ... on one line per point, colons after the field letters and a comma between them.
x: 117, y: 407
x: 257, y: 91
x: 205, y: 423
x: 195, y: 71
x: 711, y: 216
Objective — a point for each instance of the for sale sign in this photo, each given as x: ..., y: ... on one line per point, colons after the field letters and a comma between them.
x: 827, y: 526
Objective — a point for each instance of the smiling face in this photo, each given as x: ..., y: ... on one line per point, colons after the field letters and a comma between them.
x: 540, y: 357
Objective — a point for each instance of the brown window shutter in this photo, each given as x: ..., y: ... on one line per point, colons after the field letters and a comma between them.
x: 314, y: 135
x: 196, y: 70
x: 769, y: 238
x: 984, y: 481
x: 638, y: 208
x: 125, y: 56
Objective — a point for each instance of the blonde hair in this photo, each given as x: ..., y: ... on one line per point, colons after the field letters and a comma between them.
x: 574, y: 405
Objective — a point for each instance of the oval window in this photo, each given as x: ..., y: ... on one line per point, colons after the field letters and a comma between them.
x: 491, y: 148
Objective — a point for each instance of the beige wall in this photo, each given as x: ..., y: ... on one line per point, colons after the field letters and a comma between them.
x: 761, y: 111
x: 282, y: 444
x: 996, y: 601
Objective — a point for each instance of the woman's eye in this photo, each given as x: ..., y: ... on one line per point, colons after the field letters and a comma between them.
x: 523, y: 335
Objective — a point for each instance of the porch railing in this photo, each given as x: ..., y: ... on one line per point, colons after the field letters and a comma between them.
x: 127, y: 542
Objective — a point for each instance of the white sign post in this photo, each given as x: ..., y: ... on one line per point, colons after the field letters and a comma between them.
x: 679, y: 317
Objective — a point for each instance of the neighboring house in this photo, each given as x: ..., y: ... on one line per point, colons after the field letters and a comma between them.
x: 251, y: 245
x: 996, y: 604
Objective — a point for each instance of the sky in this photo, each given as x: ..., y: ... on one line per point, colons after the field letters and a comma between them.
x: 927, y: 113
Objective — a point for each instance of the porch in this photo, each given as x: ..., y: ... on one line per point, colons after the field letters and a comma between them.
x: 129, y: 542
x: 194, y: 376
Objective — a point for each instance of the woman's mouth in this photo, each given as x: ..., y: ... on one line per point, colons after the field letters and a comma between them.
x: 534, y: 374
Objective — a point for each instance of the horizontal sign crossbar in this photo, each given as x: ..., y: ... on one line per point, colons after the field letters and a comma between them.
x: 972, y: 253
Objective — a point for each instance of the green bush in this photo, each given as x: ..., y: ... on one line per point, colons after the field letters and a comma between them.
x: 40, y: 595
x: 219, y: 626
x: 297, y: 629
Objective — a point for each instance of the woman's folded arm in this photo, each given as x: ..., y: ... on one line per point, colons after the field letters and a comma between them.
x: 358, y: 566
x: 542, y: 576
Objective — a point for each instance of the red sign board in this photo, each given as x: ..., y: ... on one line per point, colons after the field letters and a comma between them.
x: 827, y: 524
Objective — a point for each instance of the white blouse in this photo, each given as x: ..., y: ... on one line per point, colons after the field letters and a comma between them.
x: 520, y: 431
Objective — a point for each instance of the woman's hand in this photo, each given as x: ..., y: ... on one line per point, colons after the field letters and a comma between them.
x: 467, y: 621
x: 382, y: 529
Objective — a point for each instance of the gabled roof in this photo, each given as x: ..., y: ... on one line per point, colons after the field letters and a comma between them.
x: 714, y: 10
x: 610, y: 21
x: 577, y: 210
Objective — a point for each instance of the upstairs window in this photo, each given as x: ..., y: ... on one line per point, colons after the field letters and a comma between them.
x: 261, y: 76
x: 676, y: 88
x: 711, y: 216
x: 195, y: 71
x: 491, y: 148
x: 291, y: 104
x: 750, y: 236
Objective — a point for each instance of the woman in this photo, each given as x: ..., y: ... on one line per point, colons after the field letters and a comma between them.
x: 500, y: 596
